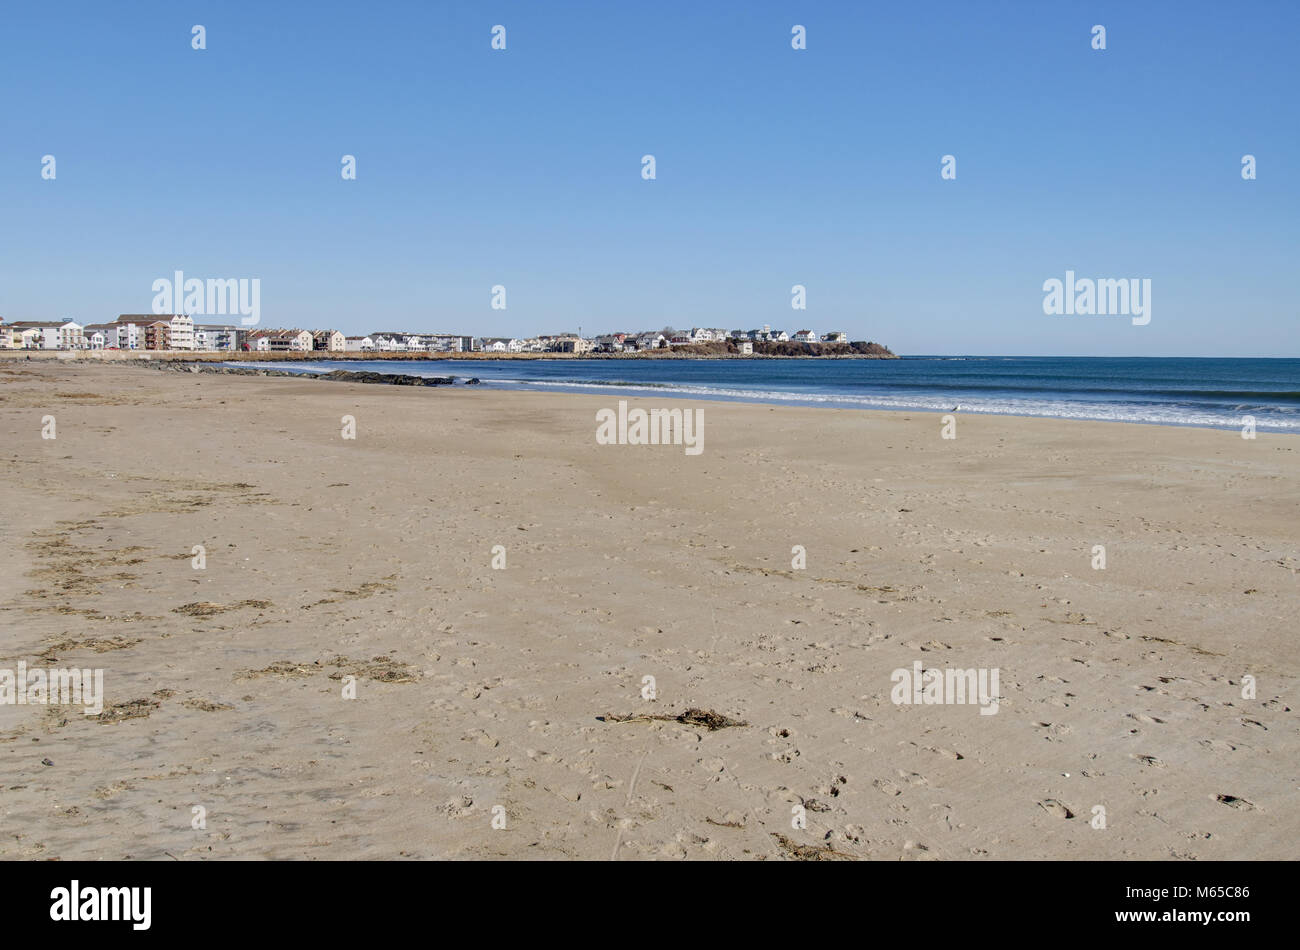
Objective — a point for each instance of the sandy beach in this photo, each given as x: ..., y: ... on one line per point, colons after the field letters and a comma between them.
x: 226, y: 731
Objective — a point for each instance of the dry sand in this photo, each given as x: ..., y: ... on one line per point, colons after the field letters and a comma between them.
x: 479, y: 687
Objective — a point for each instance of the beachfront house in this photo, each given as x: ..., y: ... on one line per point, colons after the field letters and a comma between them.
x: 835, y: 336
x: 279, y: 341
x: 331, y: 341
x: 128, y: 331
x: 38, y: 334
x: 97, y: 335
x: 651, y: 341
x: 71, y: 336
x: 51, y: 334
x: 180, y: 333
x: 215, y: 337
x: 45, y: 335
x: 447, y: 344
x: 805, y: 336
x: 572, y: 344
x: 745, y: 347
x: 157, y: 335
x: 358, y: 344
x: 389, y: 341
x: 48, y: 334
x: 501, y: 345
x: 290, y: 341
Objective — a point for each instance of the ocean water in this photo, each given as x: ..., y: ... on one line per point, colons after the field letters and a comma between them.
x: 1212, y: 392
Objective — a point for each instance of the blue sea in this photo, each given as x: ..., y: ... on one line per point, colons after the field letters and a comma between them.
x: 1211, y: 392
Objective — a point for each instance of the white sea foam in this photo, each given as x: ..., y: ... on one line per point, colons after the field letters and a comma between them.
x: 1268, y: 418
x: 1005, y: 406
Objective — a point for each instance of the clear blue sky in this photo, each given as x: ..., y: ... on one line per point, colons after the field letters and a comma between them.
x: 775, y: 166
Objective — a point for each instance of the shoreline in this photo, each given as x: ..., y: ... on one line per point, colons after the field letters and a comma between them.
x: 649, y: 390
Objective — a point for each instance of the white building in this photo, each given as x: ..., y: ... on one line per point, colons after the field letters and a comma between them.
x: 71, y: 336
x: 331, y: 341
x: 358, y: 344
x: 209, y: 336
x: 181, y: 336
x: 805, y: 336
x: 388, y: 341
x: 128, y: 331
x: 447, y: 344
x: 97, y: 335
x: 48, y: 335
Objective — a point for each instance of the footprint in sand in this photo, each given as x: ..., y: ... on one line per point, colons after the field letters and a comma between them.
x: 1140, y: 717
x: 1217, y: 745
x: 1055, y: 808
x: 1232, y: 801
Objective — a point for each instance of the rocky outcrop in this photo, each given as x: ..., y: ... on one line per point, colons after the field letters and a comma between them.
x: 391, y: 379
x: 858, y: 348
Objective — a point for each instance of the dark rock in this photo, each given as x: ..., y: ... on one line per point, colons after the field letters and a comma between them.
x: 391, y: 379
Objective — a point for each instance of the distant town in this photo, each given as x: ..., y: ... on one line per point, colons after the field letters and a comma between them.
x: 179, y: 333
